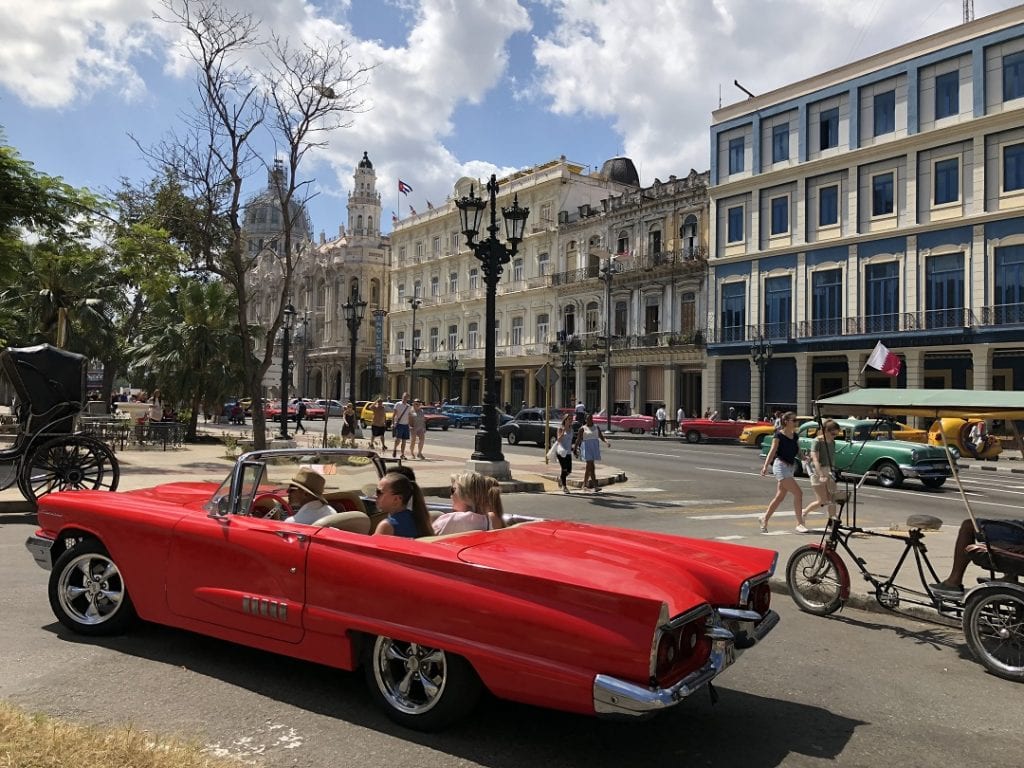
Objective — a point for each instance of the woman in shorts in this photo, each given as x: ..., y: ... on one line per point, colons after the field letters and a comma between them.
x: 782, y: 458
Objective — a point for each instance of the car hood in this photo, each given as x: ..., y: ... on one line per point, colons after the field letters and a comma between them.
x: 678, y: 571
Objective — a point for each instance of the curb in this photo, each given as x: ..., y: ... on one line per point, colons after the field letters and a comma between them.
x: 867, y: 603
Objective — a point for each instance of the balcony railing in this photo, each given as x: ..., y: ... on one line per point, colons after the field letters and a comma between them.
x: 684, y: 258
x: 922, y: 322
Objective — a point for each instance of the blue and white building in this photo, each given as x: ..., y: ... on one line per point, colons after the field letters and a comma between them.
x: 880, y: 201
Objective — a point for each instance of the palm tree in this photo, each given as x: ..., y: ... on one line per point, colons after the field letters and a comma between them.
x: 192, y: 349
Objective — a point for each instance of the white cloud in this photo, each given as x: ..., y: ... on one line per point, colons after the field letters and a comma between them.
x: 655, y: 68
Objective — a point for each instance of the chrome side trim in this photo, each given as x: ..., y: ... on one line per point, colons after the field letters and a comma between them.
x: 40, y: 548
x: 739, y: 615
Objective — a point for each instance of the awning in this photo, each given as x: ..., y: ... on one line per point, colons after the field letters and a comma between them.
x: 933, y: 403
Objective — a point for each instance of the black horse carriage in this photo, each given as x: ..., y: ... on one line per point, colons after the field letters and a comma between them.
x: 48, y: 453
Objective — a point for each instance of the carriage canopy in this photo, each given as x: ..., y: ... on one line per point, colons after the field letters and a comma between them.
x: 49, y: 383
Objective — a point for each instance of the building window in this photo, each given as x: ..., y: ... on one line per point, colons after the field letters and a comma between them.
x: 621, y: 315
x: 401, y: 293
x: 881, y: 194
x: 688, y: 314
x: 780, y: 142
x: 543, y: 263
x: 436, y: 245
x: 417, y: 289
x: 778, y: 302
x: 881, y: 298
x: 545, y: 214
x: 435, y: 339
x: 734, y: 227
x: 419, y: 250
x: 828, y: 206
x: 947, y: 94
x: 885, y: 113
x: 473, y: 279
x: 542, y: 329
x: 400, y: 342
x: 944, y: 278
x: 1013, y: 76
x: 947, y: 181
x: 569, y: 321
x: 435, y: 286
x: 517, y: 331
x: 517, y: 270
x: 590, y: 318
x: 416, y: 339
x: 1013, y: 167
x: 827, y: 302
x: 780, y: 215
x: 453, y: 337
x: 453, y: 242
x: 736, y: 147
x: 1009, y: 285
x: 828, y: 129
x: 733, y: 311
x: 453, y: 282
x: 652, y: 315
x: 471, y: 335
x: 401, y: 255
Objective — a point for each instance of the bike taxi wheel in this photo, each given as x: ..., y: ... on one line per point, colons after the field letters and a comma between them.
x: 814, y: 581
x: 994, y: 627
x: 74, y: 462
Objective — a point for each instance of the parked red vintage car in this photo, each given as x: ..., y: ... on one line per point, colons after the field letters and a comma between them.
x: 582, y: 618
x: 638, y: 424
x: 695, y: 430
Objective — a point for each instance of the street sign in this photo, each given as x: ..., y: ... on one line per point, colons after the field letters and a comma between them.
x: 547, y: 375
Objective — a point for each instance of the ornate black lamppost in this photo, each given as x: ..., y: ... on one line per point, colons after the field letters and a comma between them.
x: 568, y: 363
x: 413, y: 353
x: 492, y: 255
x: 453, y: 366
x: 761, y: 353
x: 288, y: 316
x: 605, y: 274
x: 354, y: 309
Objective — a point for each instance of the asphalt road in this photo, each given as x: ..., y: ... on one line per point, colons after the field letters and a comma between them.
x: 854, y: 689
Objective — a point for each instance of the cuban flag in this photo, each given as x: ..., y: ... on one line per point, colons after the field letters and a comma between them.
x: 404, y: 188
x: 883, y: 360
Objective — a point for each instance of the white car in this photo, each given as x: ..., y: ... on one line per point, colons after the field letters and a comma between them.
x: 333, y: 407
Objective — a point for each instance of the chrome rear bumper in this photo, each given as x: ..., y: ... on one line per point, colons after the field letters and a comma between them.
x: 40, y: 548
x: 615, y: 697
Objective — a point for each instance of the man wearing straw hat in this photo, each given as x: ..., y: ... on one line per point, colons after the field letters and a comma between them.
x: 306, y: 497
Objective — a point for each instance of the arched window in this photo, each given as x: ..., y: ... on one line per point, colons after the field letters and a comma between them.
x: 321, y: 294
x: 622, y: 243
x: 569, y: 320
x: 621, y: 318
x: 435, y: 336
x: 471, y: 336
x: 688, y: 235
x: 570, y: 256
x: 359, y: 224
x: 353, y: 287
x: 542, y: 329
x: 375, y: 291
x: 417, y: 289
x: 369, y: 225
x: 590, y: 318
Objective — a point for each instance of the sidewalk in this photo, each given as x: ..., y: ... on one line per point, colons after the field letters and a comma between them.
x: 208, y: 462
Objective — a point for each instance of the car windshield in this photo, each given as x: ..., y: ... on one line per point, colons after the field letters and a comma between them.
x: 259, y: 472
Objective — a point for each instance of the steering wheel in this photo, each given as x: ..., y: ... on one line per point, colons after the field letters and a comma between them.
x: 271, y: 505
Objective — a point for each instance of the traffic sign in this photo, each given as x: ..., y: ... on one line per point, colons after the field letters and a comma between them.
x: 547, y: 375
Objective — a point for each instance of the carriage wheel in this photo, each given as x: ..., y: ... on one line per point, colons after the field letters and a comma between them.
x: 68, y: 463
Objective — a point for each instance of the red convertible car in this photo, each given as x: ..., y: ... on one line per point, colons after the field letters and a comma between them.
x: 638, y: 424
x: 695, y: 430
x: 576, y: 617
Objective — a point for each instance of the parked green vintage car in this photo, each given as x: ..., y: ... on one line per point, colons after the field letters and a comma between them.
x: 866, y: 445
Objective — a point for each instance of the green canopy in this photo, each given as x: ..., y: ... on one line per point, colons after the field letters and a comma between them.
x: 934, y: 403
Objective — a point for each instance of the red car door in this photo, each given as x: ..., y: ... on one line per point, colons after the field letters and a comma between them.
x: 245, y: 573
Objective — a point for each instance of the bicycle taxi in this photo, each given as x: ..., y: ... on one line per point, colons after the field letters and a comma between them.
x: 991, y: 613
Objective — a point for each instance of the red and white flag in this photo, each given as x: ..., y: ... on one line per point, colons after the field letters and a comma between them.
x: 885, y: 361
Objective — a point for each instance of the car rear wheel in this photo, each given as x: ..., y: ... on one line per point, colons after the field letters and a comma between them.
x: 513, y: 438
x: 87, y: 592
x: 444, y: 428
x: 693, y: 436
x: 418, y: 687
x: 889, y: 475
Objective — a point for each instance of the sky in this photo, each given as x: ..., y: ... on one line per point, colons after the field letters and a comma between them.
x: 457, y: 87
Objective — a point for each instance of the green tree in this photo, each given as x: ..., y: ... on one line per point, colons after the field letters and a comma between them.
x: 192, y: 348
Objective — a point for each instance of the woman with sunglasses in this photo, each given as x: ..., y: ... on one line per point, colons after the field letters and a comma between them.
x: 782, y: 458
x: 476, y: 505
x: 822, y: 481
x: 402, y: 500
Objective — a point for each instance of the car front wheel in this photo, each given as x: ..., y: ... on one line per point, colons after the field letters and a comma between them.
x: 87, y: 592
x: 513, y: 438
x: 889, y: 475
x: 418, y: 687
x: 693, y: 436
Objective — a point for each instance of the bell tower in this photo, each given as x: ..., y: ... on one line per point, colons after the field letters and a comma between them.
x: 364, y: 204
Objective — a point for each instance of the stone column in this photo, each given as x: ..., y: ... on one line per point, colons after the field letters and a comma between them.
x: 914, y: 360
x: 804, y: 382
x: 981, y: 360
x: 710, y: 383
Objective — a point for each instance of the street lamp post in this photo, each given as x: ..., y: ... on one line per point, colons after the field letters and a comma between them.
x: 288, y: 315
x: 453, y: 366
x: 354, y: 310
x: 414, y: 351
x: 568, y: 363
x: 605, y: 274
x: 761, y: 353
x: 492, y: 255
